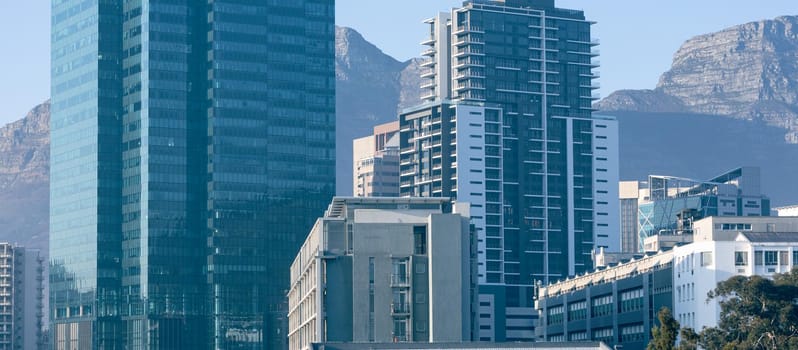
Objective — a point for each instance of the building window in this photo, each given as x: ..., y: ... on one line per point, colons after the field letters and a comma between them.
x: 771, y: 258
x: 577, y: 311
x: 555, y: 315
x: 706, y: 258
x: 632, y: 333
x: 631, y: 300
x: 602, y: 306
x: 400, y: 331
x: 577, y: 336
x: 758, y: 258
x: 604, y: 334
x: 557, y: 338
x: 795, y: 256
x: 783, y: 258
x: 740, y: 258
x: 736, y: 227
x: 420, y: 240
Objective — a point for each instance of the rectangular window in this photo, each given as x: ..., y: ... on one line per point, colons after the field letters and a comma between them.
x: 420, y: 240
x: 758, y: 258
x: 740, y: 258
x: 783, y: 258
x: 706, y: 258
x: 771, y: 258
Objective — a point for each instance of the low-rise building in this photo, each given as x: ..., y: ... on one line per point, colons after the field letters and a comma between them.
x: 618, y: 304
x: 465, y: 346
x: 668, y: 205
x: 382, y: 270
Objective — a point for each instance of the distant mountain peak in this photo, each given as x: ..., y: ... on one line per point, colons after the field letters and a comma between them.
x: 748, y: 71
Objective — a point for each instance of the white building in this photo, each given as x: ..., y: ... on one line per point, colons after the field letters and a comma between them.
x: 791, y: 210
x: 724, y: 247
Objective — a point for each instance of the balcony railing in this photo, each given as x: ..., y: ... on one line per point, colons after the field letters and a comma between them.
x: 400, y: 308
x: 399, y: 280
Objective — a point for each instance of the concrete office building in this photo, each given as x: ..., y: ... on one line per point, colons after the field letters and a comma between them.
x: 382, y: 270
x: 669, y: 205
x: 680, y: 278
x: 21, y: 298
x: 376, y: 162
x: 465, y: 346
x: 506, y: 124
x: 617, y: 304
x: 192, y: 147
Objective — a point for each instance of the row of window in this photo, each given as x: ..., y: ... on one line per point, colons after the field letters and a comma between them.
x: 766, y: 258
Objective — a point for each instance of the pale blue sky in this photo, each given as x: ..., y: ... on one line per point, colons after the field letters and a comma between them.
x: 638, y: 37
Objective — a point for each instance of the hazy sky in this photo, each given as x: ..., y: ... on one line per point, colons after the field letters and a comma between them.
x: 638, y: 37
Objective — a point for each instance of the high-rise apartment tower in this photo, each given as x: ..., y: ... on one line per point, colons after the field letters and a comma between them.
x: 507, y: 125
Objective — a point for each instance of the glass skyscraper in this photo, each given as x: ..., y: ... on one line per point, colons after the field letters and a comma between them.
x: 192, y: 146
x: 507, y: 126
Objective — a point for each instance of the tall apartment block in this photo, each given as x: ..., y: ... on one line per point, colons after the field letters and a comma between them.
x: 376, y: 162
x: 507, y: 125
x: 21, y: 298
x: 385, y: 270
x: 192, y: 145
x: 668, y: 205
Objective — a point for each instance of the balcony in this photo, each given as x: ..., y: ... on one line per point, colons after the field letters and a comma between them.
x: 427, y: 63
x: 400, y: 280
x: 400, y: 308
x: 429, y: 52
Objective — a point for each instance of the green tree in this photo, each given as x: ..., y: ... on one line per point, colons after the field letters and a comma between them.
x: 663, y: 336
x: 689, y: 339
x: 756, y: 313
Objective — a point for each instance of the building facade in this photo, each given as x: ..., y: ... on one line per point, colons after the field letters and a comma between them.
x: 506, y: 124
x: 21, y: 298
x: 669, y: 205
x: 192, y: 144
x: 376, y: 163
x: 629, y: 195
x: 616, y: 305
x: 724, y: 247
x: 382, y: 270
x: 611, y: 304
x: 466, y: 346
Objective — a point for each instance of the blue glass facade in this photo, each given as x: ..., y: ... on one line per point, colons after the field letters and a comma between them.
x: 193, y: 143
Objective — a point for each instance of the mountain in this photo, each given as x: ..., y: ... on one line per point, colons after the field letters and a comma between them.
x: 371, y: 87
x: 749, y: 71
x: 703, y: 146
x: 24, y: 176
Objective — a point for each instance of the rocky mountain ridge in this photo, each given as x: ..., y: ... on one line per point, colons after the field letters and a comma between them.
x: 749, y: 71
x: 371, y: 88
x: 24, y: 176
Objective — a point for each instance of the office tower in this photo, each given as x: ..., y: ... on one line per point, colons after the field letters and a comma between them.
x: 507, y: 126
x: 191, y: 144
x: 668, y: 205
x: 376, y: 162
x: 21, y: 297
x: 383, y: 270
